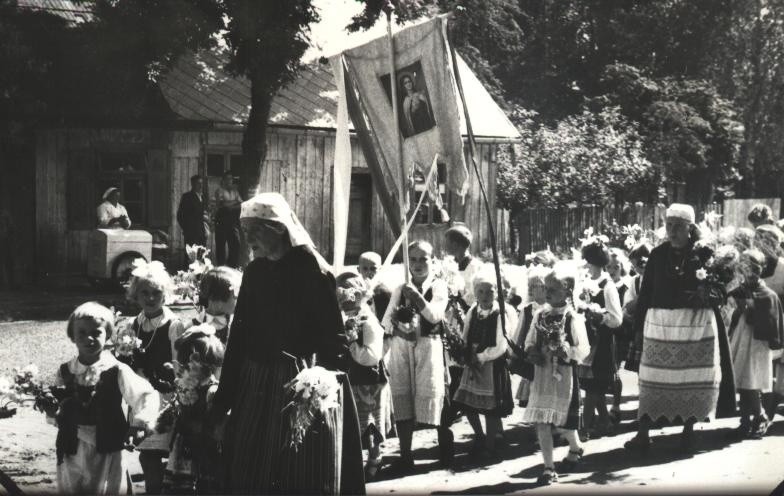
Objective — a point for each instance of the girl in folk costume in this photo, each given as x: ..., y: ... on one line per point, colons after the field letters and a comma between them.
x: 92, y: 426
x: 218, y: 291
x: 756, y: 326
x: 556, y: 343
x: 416, y: 355
x: 485, y: 386
x: 537, y: 299
x: 618, y: 270
x: 193, y: 466
x: 602, y: 309
x: 158, y: 328
x: 679, y: 367
x: 367, y: 372
x: 457, y: 244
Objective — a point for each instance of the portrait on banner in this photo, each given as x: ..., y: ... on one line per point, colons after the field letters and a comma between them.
x: 414, y: 108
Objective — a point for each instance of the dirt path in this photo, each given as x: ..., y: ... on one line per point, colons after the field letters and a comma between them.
x: 749, y: 467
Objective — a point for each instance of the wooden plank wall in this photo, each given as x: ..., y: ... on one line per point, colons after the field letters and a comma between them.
x: 736, y: 211
x: 299, y: 166
x: 60, y: 251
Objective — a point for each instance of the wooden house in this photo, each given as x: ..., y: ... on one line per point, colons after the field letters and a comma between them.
x: 200, y: 132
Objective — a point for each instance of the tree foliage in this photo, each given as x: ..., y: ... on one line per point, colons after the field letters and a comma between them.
x: 587, y: 158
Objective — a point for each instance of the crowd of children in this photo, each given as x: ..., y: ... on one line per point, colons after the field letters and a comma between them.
x: 573, y: 332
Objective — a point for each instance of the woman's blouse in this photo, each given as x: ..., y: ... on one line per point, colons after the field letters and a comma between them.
x: 434, y: 310
x: 106, y: 212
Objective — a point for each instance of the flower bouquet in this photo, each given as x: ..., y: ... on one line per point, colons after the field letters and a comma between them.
x: 186, y: 282
x: 550, y: 338
x: 313, y: 392
x: 713, y: 269
x: 452, y: 337
x: 186, y: 395
x: 353, y: 325
x: 27, y: 388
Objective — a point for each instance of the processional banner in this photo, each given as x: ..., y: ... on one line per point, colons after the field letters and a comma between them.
x: 428, y: 115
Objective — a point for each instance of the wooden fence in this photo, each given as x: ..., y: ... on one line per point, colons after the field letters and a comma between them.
x: 561, y: 229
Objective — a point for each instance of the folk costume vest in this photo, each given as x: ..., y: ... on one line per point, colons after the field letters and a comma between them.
x: 154, y: 352
x: 99, y: 405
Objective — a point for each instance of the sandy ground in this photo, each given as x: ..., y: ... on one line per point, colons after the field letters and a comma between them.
x: 718, y: 467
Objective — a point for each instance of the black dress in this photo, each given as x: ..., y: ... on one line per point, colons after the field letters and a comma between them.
x: 286, y: 313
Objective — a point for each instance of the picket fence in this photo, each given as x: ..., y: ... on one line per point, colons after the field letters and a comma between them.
x: 561, y: 229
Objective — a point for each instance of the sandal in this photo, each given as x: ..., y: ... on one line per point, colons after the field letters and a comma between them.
x: 568, y: 465
x: 549, y: 476
x: 638, y: 444
x: 372, y: 468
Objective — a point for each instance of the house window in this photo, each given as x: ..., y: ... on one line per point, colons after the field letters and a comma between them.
x: 128, y: 172
x: 429, y: 212
x: 218, y: 162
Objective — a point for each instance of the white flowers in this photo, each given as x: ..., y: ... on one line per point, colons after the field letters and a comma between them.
x: 314, y: 390
x: 701, y: 274
x: 591, y: 239
x: 31, y: 370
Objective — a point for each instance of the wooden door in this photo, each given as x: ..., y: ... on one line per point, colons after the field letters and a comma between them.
x: 359, y: 210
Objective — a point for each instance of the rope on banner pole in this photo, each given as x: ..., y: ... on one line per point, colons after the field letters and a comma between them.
x: 472, y: 155
x: 389, y: 10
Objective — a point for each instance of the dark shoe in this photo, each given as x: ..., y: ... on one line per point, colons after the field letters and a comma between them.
x: 569, y: 464
x: 600, y: 430
x: 549, y: 476
x: 478, y: 448
x: 401, y: 467
x: 740, y: 432
x: 759, y: 427
x: 584, y: 435
x: 638, y: 444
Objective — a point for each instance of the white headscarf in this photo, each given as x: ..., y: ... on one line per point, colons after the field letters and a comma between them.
x: 272, y: 206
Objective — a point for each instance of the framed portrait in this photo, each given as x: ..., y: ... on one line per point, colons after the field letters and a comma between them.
x: 413, y: 100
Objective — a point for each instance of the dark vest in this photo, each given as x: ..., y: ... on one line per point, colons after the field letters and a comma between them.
x: 481, y: 331
x: 99, y: 405
x: 598, y: 298
x: 157, y: 352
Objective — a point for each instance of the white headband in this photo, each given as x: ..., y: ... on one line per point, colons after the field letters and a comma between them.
x: 681, y: 211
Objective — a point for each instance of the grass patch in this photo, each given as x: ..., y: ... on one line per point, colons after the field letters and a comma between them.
x: 42, y: 342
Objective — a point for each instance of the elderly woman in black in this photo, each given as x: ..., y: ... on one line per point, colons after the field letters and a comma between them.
x: 287, y: 314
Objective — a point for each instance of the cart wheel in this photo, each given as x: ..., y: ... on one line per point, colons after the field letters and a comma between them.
x: 123, y: 265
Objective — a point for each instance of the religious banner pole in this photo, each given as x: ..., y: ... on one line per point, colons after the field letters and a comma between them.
x: 388, y: 10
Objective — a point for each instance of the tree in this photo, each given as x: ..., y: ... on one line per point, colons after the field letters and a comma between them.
x: 589, y: 158
x: 267, y: 40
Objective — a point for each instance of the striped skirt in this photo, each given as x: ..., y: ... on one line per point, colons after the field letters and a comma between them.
x: 680, y: 371
x: 259, y: 457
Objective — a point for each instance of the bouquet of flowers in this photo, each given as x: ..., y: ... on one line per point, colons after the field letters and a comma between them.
x: 186, y: 394
x: 353, y: 325
x: 186, y: 282
x: 551, y: 337
x: 452, y: 337
x: 27, y: 388
x: 713, y: 268
x: 125, y: 340
x: 313, y: 392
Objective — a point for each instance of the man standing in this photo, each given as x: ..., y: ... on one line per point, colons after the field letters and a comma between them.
x: 191, y: 215
x: 227, y: 222
x: 111, y: 214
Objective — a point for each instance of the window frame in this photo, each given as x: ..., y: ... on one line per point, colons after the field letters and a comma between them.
x: 427, y: 212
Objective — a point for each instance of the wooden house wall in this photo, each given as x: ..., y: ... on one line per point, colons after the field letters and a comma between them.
x: 59, y: 250
x: 299, y: 166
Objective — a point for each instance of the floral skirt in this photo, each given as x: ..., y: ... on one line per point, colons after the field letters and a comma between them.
x: 680, y: 370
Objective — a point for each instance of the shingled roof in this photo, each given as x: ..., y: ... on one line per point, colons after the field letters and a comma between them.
x: 199, y: 90
x: 73, y: 12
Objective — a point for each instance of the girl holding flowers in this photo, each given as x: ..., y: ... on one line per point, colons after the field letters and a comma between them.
x: 193, y: 462
x: 556, y: 343
x: 218, y: 291
x: 91, y: 422
x: 537, y: 299
x: 601, y: 306
x: 756, y: 326
x: 416, y: 355
x: 367, y: 372
x: 157, y: 328
x: 485, y: 386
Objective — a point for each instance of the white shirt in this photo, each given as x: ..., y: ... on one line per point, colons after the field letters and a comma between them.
x: 434, y: 310
x: 106, y: 212
x: 222, y: 195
